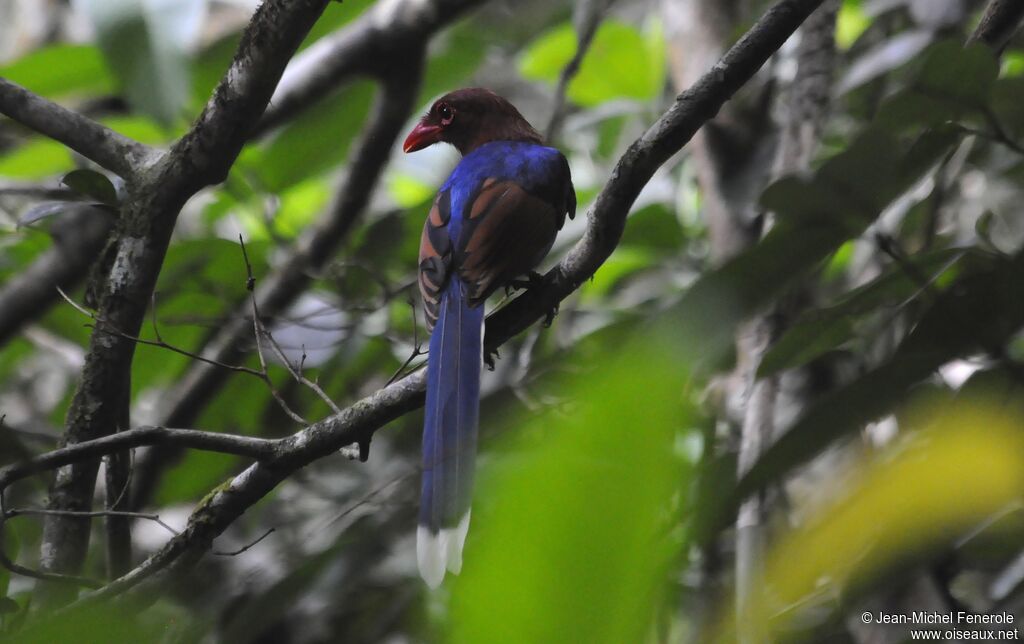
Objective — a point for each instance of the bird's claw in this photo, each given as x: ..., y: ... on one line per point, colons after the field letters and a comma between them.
x: 489, y: 357
x: 549, y: 317
x: 533, y: 280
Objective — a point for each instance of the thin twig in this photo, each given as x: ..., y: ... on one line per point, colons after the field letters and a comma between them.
x: 366, y: 499
x: 92, y: 514
x: 592, y: 12
x: 235, y: 553
x: 24, y: 571
x: 257, y: 328
x: 417, y: 349
x: 113, y: 151
x: 104, y: 326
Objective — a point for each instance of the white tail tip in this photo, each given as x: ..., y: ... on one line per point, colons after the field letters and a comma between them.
x: 440, y: 551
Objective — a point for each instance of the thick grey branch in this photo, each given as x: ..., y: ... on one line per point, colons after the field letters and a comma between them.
x: 200, y: 158
x: 240, y: 99
x: 607, y: 219
x: 107, y: 148
x: 998, y: 24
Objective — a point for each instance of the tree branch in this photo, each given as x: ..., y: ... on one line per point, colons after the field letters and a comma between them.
x: 376, y: 43
x: 200, y: 158
x: 590, y: 13
x: 240, y: 99
x: 79, y: 236
x: 248, y: 446
x: 998, y: 24
x: 607, y: 216
x: 113, y: 151
x: 277, y: 291
x: 607, y: 219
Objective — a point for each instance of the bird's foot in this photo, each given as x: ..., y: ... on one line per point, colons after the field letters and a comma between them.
x: 533, y: 280
x: 489, y: 357
x: 549, y: 317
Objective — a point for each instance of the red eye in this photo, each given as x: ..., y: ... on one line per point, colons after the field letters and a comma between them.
x: 445, y: 111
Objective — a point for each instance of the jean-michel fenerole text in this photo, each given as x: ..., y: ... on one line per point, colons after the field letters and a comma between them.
x: 930, y: 617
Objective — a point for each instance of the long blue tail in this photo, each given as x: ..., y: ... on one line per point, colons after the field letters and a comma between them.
x: 449, y: 433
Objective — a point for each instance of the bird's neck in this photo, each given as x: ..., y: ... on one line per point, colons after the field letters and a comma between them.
x: 510, y: 131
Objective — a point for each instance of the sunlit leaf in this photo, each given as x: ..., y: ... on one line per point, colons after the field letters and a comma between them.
x: 1012, y: 63
x: 622, y: 62
x: 301, y: 205
x: 59, y: 70
x: 37, y: 159
x: 936, y: 486
x: 319, y: 140
x: 408, y: 191
x: 850, y: 23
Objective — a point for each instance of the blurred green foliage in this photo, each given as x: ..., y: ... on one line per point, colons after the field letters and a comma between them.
x: 623, y: 62
x: 576, y: 532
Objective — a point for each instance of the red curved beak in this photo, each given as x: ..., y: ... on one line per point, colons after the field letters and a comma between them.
x: 422, y: 136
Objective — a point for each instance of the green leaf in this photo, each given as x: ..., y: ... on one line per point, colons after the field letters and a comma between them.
x: 807, y: 232
x: 622, y: 62
x: 408, y: 191
x: 8, y: 605
x: 319, y: 140
x: 37, y: 159
x: 90, y: 183
x: 571, y: 539
x: 103, y: 623
x: 623, y: 263
x: 817, y: 332
x: 60, y: 70
x: 140, y: 128
x: 962, y: 74
x: 952, y: 81
x: 145, y: 47
x: 209, y: 66
x: 301, y: 205
x: 801, y: 344
x: 654, y: 227
x: 850, y: 23
x: 1013, y: 64
x: 981, y: 309
x: 1006, y: 105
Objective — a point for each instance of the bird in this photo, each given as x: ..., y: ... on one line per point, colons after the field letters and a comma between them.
x: 493, y: 220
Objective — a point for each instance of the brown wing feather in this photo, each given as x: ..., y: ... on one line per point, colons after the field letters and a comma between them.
x: 506, y: 234
x: 435, y: 257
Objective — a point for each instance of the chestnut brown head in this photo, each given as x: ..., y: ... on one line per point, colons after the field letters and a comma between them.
x: 468, y: 118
